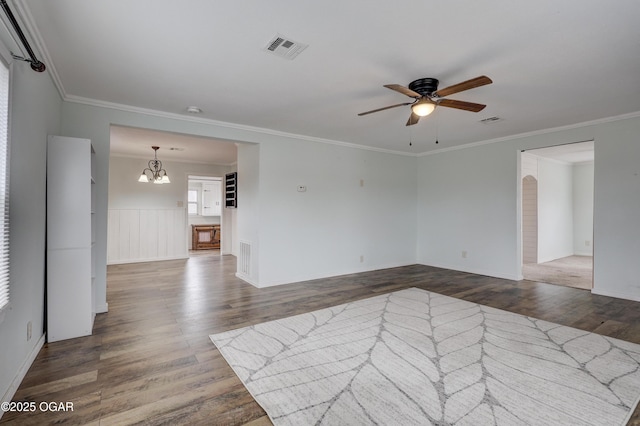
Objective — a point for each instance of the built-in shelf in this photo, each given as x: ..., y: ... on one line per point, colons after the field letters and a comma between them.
x: 71, y: 237
x: 231, y: 190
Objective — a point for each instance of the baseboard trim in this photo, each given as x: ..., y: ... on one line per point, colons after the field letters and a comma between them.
x: 635, y: 298
x: 102, y: 308
x: 22, y: 372
x: 511, y: 277
x: 247, y: 279
x: 154, y: 259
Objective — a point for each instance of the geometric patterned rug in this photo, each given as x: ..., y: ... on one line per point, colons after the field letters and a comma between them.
x: 414, y: 357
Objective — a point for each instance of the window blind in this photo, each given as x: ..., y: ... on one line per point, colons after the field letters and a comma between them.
x: 4, y: 185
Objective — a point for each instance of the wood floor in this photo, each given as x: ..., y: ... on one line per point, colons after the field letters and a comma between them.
x: 150, y: 360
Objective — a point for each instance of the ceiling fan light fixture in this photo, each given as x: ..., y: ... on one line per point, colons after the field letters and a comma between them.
x: 423, y: 107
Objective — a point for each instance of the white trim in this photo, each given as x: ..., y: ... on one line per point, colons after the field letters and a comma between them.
x: 102, y: 308
x: 536, y: 133
x: 172, y: 160
x: 144, y: 260
x: 200, y: 120
x: 5, y: 51
x: 38, y: 44
x: 245, y: 278
x: 22, y: 372
x: 477, y: 271
x: 260, y: 130
x: 38, y: 41
x: 617, y: 295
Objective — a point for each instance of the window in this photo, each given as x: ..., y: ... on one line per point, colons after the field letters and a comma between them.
x: 4, y: 185
x: 192, y: 201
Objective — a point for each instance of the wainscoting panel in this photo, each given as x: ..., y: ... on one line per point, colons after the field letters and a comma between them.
x: 143, y: 235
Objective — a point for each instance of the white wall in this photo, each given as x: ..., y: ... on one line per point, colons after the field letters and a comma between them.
x: 126, y: 192
x: 248, y: 211
x: 358, y: 204
x: 467, y: 203
x: 555, y: 210
x: 529, y: 189
x: 35, y: 112
x: 468, y: 199
x: 320, y: 235
x: 616, y: 234
x: 583, y: 209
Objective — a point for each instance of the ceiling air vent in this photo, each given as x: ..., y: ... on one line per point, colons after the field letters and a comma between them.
x: 285, y: 47
x: 490, y: 120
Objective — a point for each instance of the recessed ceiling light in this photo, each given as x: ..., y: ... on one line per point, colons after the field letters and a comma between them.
x: 193, y: 110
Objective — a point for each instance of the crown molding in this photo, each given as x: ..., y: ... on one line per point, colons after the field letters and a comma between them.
x: 28, y: 20
x: 535, y: 133
x: 171, y: 160
x: 234, y: 126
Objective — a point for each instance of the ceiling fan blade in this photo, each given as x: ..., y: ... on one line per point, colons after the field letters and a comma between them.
x: 465, y: 85
x: 413, y: 119
x: 467, y: 106
x: 382, y: 109
x: 403, y: 90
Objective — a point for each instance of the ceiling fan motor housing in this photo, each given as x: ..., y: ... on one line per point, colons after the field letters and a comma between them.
x: 424, y: 86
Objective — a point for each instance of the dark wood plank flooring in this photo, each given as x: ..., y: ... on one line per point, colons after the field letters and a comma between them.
x: 150, y: 360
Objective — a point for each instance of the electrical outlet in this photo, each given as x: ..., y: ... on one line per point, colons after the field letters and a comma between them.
x: 361, y: 258
x: 361, y: 182
x: 29, y: 329
x: 587, y: 243
x: 464, y: 254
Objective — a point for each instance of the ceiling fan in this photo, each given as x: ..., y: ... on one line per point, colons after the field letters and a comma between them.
x: 427, y: 96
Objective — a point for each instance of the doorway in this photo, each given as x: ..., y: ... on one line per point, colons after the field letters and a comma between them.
x: 149, y: 222
x: 205, y: 212
x: 557, y: 214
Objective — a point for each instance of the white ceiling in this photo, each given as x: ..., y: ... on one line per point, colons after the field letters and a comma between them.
x: 553, y: 63
x: 574, y: 153
x: 134, y: 142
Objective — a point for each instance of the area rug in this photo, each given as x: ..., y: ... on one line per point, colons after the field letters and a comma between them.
x: 413, y: 357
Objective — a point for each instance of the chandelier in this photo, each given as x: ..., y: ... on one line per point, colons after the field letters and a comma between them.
x: 154, y: 173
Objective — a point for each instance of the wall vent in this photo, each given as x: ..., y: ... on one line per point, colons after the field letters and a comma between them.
x: 244, y: 260
x: 490, y: 120
x: 285, y: 47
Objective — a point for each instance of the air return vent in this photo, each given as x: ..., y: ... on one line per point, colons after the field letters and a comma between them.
x: 285, y: 47
x: 244, y: 260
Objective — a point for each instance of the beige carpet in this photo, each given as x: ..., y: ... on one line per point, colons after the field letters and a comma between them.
x: 572, y: 271
x: 413, y: 357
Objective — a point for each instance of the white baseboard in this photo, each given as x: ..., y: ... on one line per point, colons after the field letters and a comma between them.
x: 478, y: 271
x: 151, y: 259
x: 635, y: 298
x: 247, y: 279
x: 100, y: 309
x: 15, y: 384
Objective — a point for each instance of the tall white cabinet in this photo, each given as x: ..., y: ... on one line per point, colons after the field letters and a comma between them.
x: 70, y: 238
x: 212, y: 198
